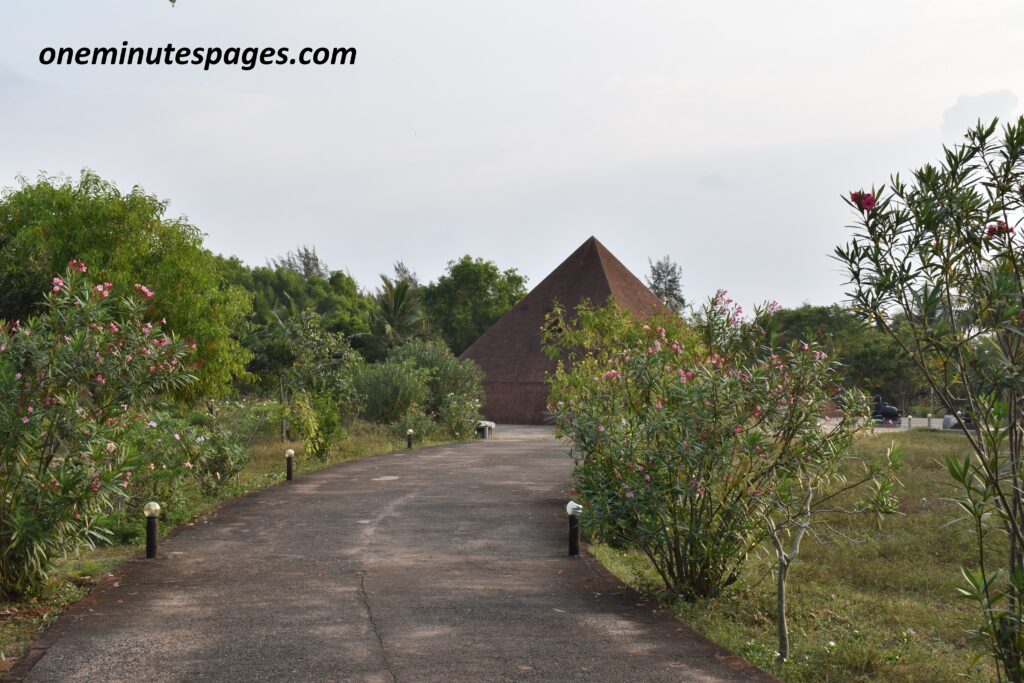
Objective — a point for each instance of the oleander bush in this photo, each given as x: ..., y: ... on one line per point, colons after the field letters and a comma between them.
x: 75, y: 380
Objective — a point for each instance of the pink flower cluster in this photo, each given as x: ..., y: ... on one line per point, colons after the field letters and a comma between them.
x: 58, y: 284
x: 865, y: 201
x: 144, y: 290
x: 77, y: 266
x: 104, y: 289
x: 999, y: 228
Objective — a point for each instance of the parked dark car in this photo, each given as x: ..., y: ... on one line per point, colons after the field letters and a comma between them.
x: 886, y: 414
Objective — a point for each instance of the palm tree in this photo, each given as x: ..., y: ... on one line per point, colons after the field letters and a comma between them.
x: 397, y: 318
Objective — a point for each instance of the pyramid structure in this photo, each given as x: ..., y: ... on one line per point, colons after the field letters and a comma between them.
x: 510, y: 353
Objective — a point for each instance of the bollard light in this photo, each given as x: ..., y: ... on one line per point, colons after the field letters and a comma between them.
x: 289, y: 456
x: 408, y: 438
x: 152, y: 511
x: 572, y: 509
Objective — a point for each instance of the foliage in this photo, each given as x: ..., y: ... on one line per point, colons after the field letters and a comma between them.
x: 282, y: 294
x: 315, y: 416
x: 870, y: 360
x: 391, y: 389
x: 469, y: 298
x: 397, y: 318
x: 304, y: 262
x: 125, y: 238
x: 666, y: 281
x: 181, y: 453
x: 74, y: 380
x: 454, y: 388
x: 692, y: 448
x: 941, y: 255
x: 323, y: 363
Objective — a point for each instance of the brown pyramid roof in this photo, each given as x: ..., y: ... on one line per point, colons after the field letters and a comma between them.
x: 510, y: 352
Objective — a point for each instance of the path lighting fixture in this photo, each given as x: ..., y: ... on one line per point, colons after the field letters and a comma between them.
x: 408, y: 438
x: 152, y: 510
x: 289, y: 456
x: 572, y: 509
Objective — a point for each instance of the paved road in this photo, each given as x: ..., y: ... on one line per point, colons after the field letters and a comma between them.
x: 444, y: 564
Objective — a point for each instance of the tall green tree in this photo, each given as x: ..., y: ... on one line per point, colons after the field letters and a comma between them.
x: 126, y: 238
x: 666, y: 281
x: 469, y: 298
x: 397, y: 318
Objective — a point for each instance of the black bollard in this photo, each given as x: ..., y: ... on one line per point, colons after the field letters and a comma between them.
x: 152, y: 511
x: 574, y: 536
x: 289, y: 457
x: 151, y: 532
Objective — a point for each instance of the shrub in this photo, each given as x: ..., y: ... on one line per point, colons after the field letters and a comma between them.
x: 414, y: 418
x: 690, y: 445
x: 454, y: 387
x: 391, y: 389
x: 316, y: 418
x: 74, y: 381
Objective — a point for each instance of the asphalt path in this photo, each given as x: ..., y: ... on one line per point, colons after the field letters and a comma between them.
x: 440, y: 564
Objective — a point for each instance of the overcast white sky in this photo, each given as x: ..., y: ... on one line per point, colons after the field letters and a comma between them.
x: 722, y: 134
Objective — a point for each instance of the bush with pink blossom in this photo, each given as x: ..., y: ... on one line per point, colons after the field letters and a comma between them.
x: 75, y: 381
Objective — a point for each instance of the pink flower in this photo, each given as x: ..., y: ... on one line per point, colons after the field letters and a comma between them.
x: 111, y: 447
x: 95, y: 485
x: 17, y: 375
x: 600, y: 428
x: 737, y: 429
x: 24, y: 420
x: 75, y: 264
x: 611, y: 374
x: 100, y: 379
x: 629, y: 494
x: 865, y: 201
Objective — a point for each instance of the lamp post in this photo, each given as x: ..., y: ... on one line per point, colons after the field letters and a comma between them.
x: 289, y: 457
x: 408, y: 438
x: 152, y: 510
x: 573, y: 510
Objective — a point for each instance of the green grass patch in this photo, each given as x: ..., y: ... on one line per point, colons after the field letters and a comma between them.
x: 22, y: 620
x: 884, y: 608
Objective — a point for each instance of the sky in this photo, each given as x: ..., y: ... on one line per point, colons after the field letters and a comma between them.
x: 720, y: 134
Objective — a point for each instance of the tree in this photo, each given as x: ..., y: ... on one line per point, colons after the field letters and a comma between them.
x: 304, y: 261
x: 404, y: 273
x: 870, y: 360
x: 936, y: 264
x: 281, y: 294
x: 666, y: 281
x: 126, y: 238
x: 469, y: 298
x: 397, y: 318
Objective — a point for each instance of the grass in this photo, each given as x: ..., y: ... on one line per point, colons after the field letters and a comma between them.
x: 884, y: 608
x: 22, y: 620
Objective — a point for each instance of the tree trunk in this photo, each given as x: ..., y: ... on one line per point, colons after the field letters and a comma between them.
x: 780, y: 608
